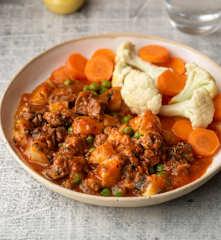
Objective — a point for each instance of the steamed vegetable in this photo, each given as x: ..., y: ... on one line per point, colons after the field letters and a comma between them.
x: 199, y: 109
x: 126, y: 58
x: 197, y: 78
x: 139, y: 93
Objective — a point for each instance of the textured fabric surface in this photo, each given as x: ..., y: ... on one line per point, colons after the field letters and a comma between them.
x: 27, y: 209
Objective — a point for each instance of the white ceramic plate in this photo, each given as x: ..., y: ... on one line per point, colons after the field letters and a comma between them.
x: 39, y: 69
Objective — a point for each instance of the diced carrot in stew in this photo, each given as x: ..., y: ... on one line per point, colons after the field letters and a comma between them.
x: 105, y: 52
x: 182, y: 129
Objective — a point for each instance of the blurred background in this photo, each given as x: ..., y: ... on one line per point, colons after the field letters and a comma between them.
x: 28, y: 210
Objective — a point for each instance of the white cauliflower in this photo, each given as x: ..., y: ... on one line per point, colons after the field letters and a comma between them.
x: 199, y: 108
x: 197, y: 78
x: 127, y: 58
x: 139, y: 93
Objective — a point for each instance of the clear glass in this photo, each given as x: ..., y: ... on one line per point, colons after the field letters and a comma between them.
x: 195, y: 16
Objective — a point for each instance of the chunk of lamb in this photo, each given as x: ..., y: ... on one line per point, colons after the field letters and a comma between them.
x: 179, y: 158
x: 90, y: 105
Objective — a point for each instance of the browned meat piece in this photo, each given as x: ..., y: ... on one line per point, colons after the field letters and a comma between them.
x: 169, y: 137
x: 60, y: 134
x: 111, y: 121
x: 114, y: 99
x: 100, y: 139
x: 179, y: 158
x: 58, y: 119
x: 89, y: 104
x: 59, y: 168
x: 75, y: 144
x: 67, y: 93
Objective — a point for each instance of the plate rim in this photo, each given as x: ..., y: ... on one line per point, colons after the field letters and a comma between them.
x: 107, y: 201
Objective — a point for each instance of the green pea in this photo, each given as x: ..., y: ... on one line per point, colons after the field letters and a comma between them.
x: 160, y: 167
x: 160, y: 173
x: 86, y: 88
x: 129, y: 131
x: 105, y: 192
x: 117, y: 193
x: 151, y: 170
x: 90, y: 139
x: 70, y: 129
x: 137, y: 135
x: 94, y: 86
x: 126, y: 119
x: 92, y: 149
x: 67, y: 82
x: 94, y: 92
x: 106, y: 84
x: 77, y: 178
x: 103, y: 90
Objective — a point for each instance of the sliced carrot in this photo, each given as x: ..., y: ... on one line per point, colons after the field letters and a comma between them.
x: 99, y: 68
x: 204, y: 141
x: 217, y: 105
x: 177, y: 64
x: 182, y: 129
x: 105, y: 52
x: 170, y: 83
x: 154, y: 54
x: 59, y: 76
x: 75, y: 66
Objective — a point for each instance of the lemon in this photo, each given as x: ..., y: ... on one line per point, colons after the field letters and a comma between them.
x: 63, y: 6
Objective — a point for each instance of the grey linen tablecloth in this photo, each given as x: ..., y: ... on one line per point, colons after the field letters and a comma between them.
x: 30, y: 211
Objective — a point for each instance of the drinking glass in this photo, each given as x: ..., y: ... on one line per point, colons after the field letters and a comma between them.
x: 195, y: 16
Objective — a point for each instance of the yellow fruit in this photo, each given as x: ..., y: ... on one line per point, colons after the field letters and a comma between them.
x: 63, y: 6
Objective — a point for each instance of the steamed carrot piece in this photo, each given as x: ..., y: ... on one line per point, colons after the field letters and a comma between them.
x: 75, y: 66
x: 182, y: 129
x: 177, y: 64
x: 99, y: 68
x: 59, y: 76
x: 154, y: 54
x: 217, y: 105
x: 170, y: 83
x: 204, y: 141
x: 105, y: 52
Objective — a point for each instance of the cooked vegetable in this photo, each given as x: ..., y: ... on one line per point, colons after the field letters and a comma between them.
x: 154, y: 54
x: 99, y: 68
x: 182, y: 129
x: 106, y: 84
x: 140, y: 94
x: 67, y: 82
x: 59, y: 76
x: 105, y: 192
x: 217, y: 105
x: 105, y: 52
x: 170, y: 83
x: 103, y: 90
x: 86, y: 88
x: 75, y: 66
x: 204, y: 141
x: 94, y: 86
x: 77, y: 178
x: 199, y: 109
x: 127, y: 59
x: 63, y: 6
x: 129, y: 131
x: 176, y: 64
x: 90, y: 139
x: 197, y: 78
x: 137, y: 135
x: 126, y: 119
x: 117, y: 193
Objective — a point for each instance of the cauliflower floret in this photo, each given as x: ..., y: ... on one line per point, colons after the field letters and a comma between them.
x: 197, y: 78
x: 139, y: 93
x: 199, y: 109
x: 126, y: 59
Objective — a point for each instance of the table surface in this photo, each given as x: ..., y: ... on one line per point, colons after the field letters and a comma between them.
x: 30, y: 211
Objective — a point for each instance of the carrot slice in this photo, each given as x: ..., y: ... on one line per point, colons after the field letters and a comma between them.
x: 154, y: 54
x: 204, y: 141
x: 177, y: 64
x: 217, y: 105
x: 182, y: 129
x: 99, y: 68
x: 59, y: 76
x: 75, y: 66
x: 170, y: 83
x: 105, y: 52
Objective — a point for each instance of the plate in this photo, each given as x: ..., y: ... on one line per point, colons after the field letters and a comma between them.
x: 40, y: 68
